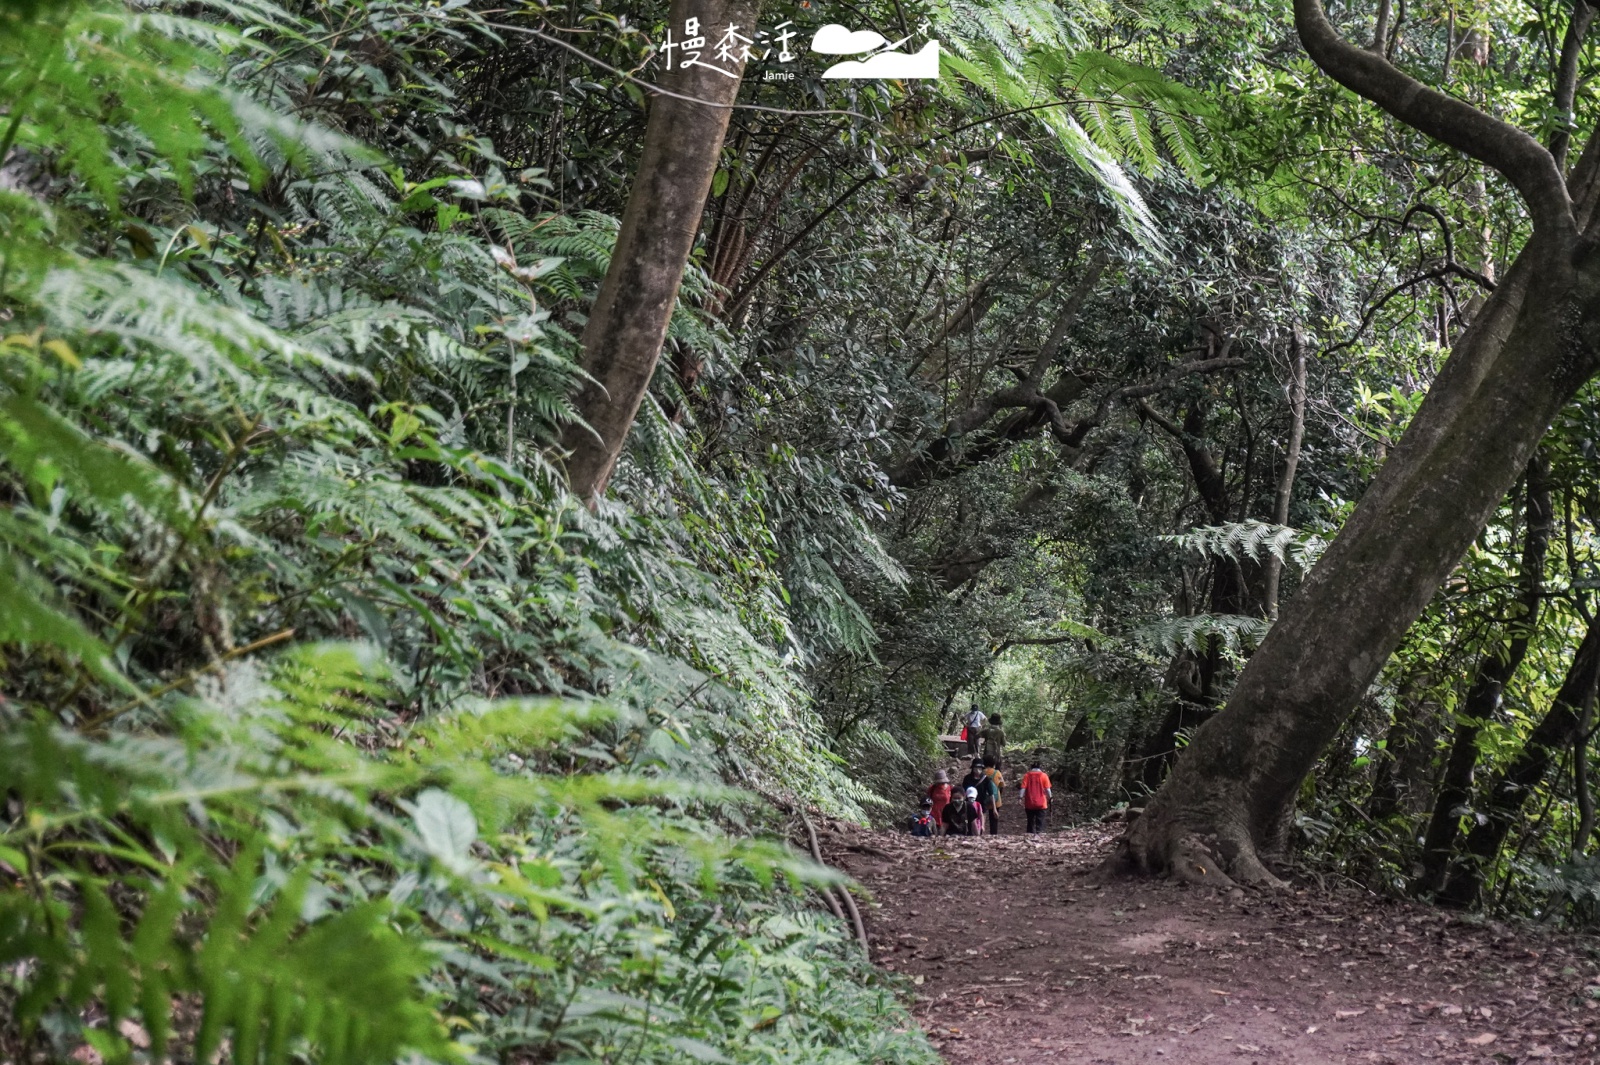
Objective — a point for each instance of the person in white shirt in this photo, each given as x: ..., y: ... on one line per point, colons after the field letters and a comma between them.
x: 975, y: 722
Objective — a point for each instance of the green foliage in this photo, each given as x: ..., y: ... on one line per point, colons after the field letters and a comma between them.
x: 312, y: 668
x: 314, y: 898
x: 1105, y: 113
x: 1236, y: 633
x: 209, y: 842
x: 336, y: 730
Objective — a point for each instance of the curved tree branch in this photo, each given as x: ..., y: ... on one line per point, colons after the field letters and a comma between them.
x: 1034, y: 409
x: 1441, y: 271
x: 1033, y: 641
x: 1523, y: 161
x: 1444, y: 226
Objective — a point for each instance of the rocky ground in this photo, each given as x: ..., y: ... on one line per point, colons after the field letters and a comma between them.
x: 1024, y: 950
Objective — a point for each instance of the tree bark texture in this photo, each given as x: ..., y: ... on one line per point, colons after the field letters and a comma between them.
x: 1581, y: 788
x: 628, y: 322
x: 1534, y: 344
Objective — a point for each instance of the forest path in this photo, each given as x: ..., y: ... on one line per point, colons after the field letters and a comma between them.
x: 1025, y: 952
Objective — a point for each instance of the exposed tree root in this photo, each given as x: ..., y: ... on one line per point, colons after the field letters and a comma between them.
x: 1220, y: 860
x: 1191, y: 862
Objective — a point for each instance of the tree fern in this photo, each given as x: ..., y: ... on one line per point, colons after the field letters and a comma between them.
x: 1252, y: 539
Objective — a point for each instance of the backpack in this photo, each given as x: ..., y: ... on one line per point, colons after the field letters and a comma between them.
x: 996, y: 781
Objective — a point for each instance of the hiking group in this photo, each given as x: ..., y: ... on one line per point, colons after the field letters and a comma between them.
x: 972, y: 808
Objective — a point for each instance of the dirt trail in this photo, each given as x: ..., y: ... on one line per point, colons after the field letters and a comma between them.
x: 1024, y: 952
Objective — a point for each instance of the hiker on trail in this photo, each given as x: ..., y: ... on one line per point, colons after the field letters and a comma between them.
x: 959, y: 815
x: 994, y: 742
x: 975, y: 802
x: 922, y: 821
x: 990, y: 799
x: 939, y: 796
x: 974, y: 725
x: 1035, y: 788
x: 975, y: 775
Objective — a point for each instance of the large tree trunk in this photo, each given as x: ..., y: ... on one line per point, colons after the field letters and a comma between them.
x: 1561, y: 726
x: 628, y: 322
x: 1531, y: 348
x: 1495, y: 671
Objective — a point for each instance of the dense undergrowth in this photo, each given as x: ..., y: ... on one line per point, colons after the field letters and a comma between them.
x: 332, y: 728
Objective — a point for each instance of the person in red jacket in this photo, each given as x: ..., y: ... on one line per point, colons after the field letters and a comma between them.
x: 1035, y: 790
x: 939, y: 792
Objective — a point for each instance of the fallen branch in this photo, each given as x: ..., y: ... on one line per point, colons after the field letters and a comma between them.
x: 850, y: 903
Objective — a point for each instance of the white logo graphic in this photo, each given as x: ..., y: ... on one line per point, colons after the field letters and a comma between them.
x: 834, y: 39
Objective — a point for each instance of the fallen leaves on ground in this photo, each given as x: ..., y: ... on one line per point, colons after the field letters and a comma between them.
x: 1023, y: 949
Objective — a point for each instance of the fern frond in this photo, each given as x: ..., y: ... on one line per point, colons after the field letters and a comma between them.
x: 1236, y: 632
x: 1250, y: 539
x: 1106, y: 113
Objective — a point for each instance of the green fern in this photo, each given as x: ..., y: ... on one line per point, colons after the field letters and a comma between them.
x: 296, y: 394
x: 1253, y: 539
x: 1106, y: 114
x: 1237, y: 633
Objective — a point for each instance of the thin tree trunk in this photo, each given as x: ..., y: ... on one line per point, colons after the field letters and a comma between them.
x: 1495, y: 671
x: 1450, y: 802
x: 1566, y: 89
x: 1520, y: 362
x: 1560, y: 728
x: 1291, y: 462
x: 628, y: 322
x: 1581, y: 785
x: 1380, y: 30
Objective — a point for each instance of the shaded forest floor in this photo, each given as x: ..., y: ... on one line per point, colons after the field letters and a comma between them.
x: 1022, y: 951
